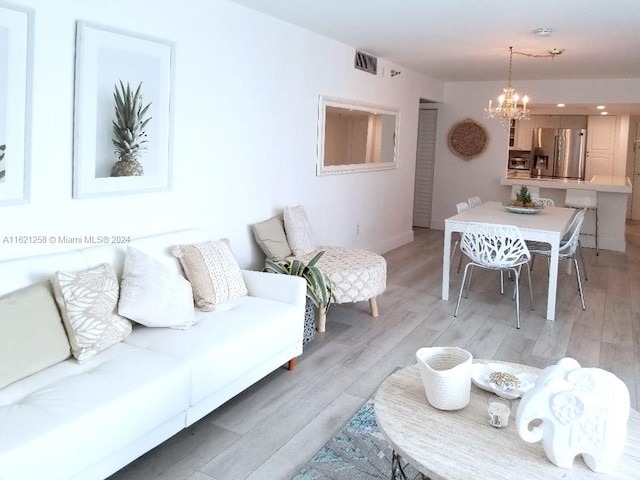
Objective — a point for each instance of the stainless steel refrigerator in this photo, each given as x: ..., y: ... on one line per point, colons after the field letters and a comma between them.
x: 559, y: 152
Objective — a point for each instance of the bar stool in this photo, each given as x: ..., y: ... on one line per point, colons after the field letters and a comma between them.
x: 578, y: 198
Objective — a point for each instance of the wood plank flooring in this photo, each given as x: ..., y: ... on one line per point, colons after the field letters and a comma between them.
x: 272, y: 429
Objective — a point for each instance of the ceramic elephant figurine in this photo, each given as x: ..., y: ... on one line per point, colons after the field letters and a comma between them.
x: 583, y: 411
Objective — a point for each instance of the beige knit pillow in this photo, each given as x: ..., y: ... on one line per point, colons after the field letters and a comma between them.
x: 298, y: 228
x: 213, y: 271
x: 271, y: 237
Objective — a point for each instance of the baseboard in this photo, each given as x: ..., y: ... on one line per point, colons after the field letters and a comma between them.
x: 392, y: 243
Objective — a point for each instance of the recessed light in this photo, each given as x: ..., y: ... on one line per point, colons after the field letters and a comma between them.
x: 600, y: 107
x: 543, y: 31
x: 560, y: 105
x: 604, y: 113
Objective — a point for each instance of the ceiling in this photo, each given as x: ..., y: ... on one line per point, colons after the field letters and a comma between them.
x: 469, y: 40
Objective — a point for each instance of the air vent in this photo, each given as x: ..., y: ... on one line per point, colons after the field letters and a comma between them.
x: 366, y: 62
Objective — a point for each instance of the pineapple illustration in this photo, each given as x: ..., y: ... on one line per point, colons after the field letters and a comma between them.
x: 523, y: 198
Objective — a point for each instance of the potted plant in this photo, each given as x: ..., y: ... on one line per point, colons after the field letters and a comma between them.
x: 129, y: 134
x: 319, y: 289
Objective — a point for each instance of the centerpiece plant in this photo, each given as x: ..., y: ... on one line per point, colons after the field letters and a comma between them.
x: 523, y: 198
x: 129, y: 134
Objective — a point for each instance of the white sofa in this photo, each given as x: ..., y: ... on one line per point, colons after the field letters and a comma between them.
x: 88, y: 420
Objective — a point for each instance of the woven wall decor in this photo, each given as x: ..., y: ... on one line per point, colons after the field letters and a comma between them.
x: 468, y: 139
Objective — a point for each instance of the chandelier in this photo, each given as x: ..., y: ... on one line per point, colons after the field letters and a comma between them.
x: 508, y: 108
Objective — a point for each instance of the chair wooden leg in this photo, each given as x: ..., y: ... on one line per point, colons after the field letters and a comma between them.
x: 322, y: 319
x: 292, y: 363
x: 373, y: 305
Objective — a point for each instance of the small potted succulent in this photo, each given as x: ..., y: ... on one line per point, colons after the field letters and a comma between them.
x: 129, y: 134
x: 319, y: 288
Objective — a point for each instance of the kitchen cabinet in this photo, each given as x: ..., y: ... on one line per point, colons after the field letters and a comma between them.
x: 559, y: 121
x: 601, y: 143
x: 520, y: 135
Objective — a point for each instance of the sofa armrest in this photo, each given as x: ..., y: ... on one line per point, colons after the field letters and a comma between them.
x: 282, y: 288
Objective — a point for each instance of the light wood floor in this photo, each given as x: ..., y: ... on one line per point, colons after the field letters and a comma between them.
x: 271, y: 430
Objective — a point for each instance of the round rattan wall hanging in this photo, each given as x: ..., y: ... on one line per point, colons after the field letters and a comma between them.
x: 468, y: 139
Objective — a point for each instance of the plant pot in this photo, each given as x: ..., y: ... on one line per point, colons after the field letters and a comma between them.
x: 446, y: 375
x: 309, y: 322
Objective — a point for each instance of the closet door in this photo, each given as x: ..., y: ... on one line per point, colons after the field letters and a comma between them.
x: 425, y: 161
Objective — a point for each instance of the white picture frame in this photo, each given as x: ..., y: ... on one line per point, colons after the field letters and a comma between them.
x: 104, y: 57
x: 16, y: 80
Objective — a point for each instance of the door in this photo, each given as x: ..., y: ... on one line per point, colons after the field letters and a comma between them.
x: 635, y: 196
x: 425, y: 162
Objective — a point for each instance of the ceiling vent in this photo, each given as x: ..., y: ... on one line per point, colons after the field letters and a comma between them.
x: 366, y: 62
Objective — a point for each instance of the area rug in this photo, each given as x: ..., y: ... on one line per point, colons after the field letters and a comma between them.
x: 357, y: 452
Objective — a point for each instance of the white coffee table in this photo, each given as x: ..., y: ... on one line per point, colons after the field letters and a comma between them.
x: 461, y: 445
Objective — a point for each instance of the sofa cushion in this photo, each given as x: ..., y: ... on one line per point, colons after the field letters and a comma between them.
x: 271, y: 238
x: 88, y: 302
x: 32, y: 336
x: 213, y: 271
x: 298, y: 228
x: 153, y: 295
x: 59, y: 421
x: 247, y: 330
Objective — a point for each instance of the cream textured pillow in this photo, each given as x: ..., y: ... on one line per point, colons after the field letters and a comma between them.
x: 298, y: 230
x: 271, y: 238
x: 88, y: 302
x: 213, y: 271
x: 152, y: 295
x: 32, y: 336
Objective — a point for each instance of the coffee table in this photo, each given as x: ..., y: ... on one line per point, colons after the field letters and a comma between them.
x: 461, y: 445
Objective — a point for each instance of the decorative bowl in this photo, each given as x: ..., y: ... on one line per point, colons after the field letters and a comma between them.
x: 526, y: 210
x: 482, y: 378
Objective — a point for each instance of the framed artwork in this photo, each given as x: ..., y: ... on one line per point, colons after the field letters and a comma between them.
x: 123, y: 112
x: 16, y: 66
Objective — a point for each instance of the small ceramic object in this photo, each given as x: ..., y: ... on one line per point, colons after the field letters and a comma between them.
x: 446, y: 375
x: 498, y: 410
x: 583, y: 411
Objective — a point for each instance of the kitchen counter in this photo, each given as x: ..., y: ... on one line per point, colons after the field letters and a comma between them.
x: 613, y: 196
x: 600, y: 183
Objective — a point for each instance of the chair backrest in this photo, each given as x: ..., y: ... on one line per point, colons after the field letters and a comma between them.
x: 533, y: 191
x: 545, y: 202
x: 578, y: 198
x: 474, y: 201
x: 462, y: 207
x: 494, y: 246
x: 569, y: 246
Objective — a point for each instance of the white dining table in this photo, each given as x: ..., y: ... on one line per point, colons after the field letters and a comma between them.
x: 549, y: 225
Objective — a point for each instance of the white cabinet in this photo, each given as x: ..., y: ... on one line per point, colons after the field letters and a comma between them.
x: 524, y: 131
x: 559, y: 121
x: 601, y: 143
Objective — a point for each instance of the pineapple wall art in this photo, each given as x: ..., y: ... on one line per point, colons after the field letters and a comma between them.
x: 129, y: 130
x: 3, y: 170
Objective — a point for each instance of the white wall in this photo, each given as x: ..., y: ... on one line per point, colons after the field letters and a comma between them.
x: 246, y: 102
x: 457, y: 179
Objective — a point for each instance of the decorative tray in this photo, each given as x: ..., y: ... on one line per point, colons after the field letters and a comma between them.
x: 511, y: 384
x: 526, y: 210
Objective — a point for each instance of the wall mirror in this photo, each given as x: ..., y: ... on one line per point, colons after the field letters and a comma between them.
x: 356, y: 137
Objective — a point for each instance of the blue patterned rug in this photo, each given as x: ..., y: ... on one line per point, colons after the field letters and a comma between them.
x: 357, y: 452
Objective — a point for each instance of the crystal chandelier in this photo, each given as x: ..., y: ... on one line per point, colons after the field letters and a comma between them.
x: 508, y: 108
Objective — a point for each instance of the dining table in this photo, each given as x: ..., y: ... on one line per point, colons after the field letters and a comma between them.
x: 546, y: 225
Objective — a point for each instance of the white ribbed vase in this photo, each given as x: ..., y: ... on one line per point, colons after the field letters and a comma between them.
x: 446, y: 375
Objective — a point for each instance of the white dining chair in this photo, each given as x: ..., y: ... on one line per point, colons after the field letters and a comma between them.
x: 545, y: 202
x: 495, y: 247
x: 474, y: 201
x: 568, y: 249
x: 461, y: 207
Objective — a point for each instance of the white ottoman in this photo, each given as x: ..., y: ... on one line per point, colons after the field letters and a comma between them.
x: 356, y: 275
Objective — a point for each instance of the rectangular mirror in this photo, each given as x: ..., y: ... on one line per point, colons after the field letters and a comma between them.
x: 356, y: 137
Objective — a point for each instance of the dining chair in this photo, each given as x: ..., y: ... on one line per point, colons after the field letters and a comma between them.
x: 495, y: 247
x: 474, y: 201
x: 569, y: 247
x: 545, y: 202
x: 461, y: 207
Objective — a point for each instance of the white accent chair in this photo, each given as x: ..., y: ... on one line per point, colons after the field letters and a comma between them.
x: 461, y: 207
x: 474, y: 201
x: 568, y: 249
x: 496, y: 247
x: 578, y: 198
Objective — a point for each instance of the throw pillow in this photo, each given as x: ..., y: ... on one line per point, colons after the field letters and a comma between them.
x: 271, y: 238
x: 88, y: 302
x: 298, y: 230
x: 32, y: 336
x: 213, y: 271
x: 153, y: 295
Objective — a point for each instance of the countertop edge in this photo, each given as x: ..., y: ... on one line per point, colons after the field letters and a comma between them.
x: 594, y: 184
